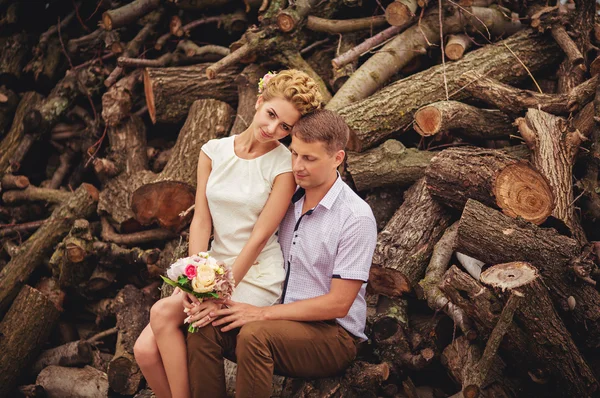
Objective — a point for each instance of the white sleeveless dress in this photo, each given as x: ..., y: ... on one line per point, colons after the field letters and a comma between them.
x: 237, y: 191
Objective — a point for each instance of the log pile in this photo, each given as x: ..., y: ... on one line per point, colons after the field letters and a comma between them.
x: 475, y: 140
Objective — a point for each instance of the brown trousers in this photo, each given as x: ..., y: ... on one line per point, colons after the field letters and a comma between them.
x: 288, y: 348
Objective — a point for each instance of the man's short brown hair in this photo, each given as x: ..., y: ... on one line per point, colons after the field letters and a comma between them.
x: 324, y: 126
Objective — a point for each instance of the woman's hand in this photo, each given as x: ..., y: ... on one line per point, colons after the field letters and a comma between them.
x: 198, y: 311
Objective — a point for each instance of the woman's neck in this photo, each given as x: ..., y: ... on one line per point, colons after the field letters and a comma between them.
x: 249, y: 145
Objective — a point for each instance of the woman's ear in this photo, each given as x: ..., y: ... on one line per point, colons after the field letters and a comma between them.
x: 259, y: 102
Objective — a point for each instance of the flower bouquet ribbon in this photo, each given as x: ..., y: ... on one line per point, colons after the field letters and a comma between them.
x: 203, y: 276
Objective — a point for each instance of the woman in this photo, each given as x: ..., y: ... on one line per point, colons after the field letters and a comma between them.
x: 244, y: 188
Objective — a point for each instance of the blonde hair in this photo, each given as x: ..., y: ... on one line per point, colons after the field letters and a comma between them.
x: 296, y: 87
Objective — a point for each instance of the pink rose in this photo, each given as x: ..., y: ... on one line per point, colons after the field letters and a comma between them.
x: 190, y: 271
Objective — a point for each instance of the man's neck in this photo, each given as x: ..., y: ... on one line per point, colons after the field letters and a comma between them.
x: 312, y: 196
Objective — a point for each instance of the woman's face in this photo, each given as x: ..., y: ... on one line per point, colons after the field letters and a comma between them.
x: 274, y: 119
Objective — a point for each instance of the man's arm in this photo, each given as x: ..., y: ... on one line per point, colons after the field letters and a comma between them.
x: 334, y: 304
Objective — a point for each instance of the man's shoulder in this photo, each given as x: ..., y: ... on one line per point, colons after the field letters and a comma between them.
x: 354, y: 204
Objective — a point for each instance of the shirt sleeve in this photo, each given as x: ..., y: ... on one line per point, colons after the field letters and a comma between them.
x: 282, y: 165
x: 209, y: 148
x: 355, y: 250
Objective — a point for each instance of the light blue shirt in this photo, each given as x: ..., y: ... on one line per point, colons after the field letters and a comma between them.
x: 336, y: 239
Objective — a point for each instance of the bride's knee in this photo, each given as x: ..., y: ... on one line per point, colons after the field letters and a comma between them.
x: 166, y: 313
x: 145, y: 351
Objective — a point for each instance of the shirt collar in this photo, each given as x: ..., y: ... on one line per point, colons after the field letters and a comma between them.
x: 329, y: 198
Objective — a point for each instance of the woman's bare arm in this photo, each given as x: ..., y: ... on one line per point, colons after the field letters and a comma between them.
x: 201, y: 226
x: 266, y: 225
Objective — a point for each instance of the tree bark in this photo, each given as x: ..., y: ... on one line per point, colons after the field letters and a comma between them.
x: 128, y: 13
x: 467, y: 120
x: 407, y: 241
x: 132, y: 308
x: 75, y: 353
x: 59, y: 381
x: 173, y: 190
x: 390, y: 164
x: 538, y: 319
x: 10, y: 143
x: 170, y: 92
x: 491, y: 177
x: 494, y: 238
x: 81, y: 204
x: 24, y: 329
x: 391, y: 109
x: 554, y: 144
x: 13, y: 54
x: 514, y: 101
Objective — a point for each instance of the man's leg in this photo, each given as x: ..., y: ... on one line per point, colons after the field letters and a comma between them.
x: 299, y: 349
x: 205, y: 350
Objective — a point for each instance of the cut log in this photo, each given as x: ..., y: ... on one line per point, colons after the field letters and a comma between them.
x: 387, y: 282
x: 10, y: 143
x: 391, y: 109
x: 397, y: 53
x: 8, y: 105
x: 456, y: 46
x: 502, y: 239
x: 81, y: 204
x: 461, y: 358
x: 71, y: 354
x: 132, y: 308
x: 398, y: 12
x: 538, y: 319
x: 390, y: 164
x: 69, y: 261
x: 35, y: 194
x: 170, y: 92
x: 128, y: 13
x: 173, y: 190
x: 465, y: 120
x: 407, y: 241
x: 10, y: 181
x: 87, y: 382
x: 514, y: 101
x: 247, y: 83
x: 428, y: 287
x: 491, y: 177
x: 554, y: 144
x: 24, y: 329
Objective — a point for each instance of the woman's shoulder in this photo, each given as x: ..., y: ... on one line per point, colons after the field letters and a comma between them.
x: 216, y: 145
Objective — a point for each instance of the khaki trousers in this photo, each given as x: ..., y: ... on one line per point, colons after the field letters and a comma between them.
x: 288, y: 348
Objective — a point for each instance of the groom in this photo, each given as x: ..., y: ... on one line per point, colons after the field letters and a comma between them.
x: 327, y: 237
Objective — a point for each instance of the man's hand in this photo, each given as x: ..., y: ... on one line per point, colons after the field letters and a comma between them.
x: 198, y: 311
x: 237, y: 315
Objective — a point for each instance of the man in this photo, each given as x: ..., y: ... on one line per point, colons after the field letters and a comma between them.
x: 327, y: 237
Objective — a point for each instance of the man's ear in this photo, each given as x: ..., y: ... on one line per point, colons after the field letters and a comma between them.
x: 339, y: 157
x: 259, y: 102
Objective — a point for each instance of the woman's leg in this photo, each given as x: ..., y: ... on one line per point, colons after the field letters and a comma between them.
x: 166, y: 318
x: 148, y: 358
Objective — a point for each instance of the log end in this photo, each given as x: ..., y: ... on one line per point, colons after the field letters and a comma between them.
x: 92, y: 191
x: 107, y: 21
x: 428, y: 121
x: 162, y: 202
x: 149, y: 92
x: 521, y: 191
x: 387, y: 281
x: 509, y: 276
x: 454, y: 51
x: 285, y: 22
x: 398, y: 13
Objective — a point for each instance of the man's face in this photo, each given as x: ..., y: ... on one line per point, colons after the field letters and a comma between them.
x: 312, y: 165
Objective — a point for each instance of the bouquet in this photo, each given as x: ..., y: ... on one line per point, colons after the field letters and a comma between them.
x: 203, y: 276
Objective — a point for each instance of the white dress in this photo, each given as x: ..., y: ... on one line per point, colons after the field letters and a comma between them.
x: 237, y: 191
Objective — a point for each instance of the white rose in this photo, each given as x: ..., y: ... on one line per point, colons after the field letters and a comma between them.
x: 177, y: 269
x: 204, y: 281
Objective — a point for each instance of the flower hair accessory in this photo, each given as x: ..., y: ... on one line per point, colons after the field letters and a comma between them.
x: 264, y: 80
